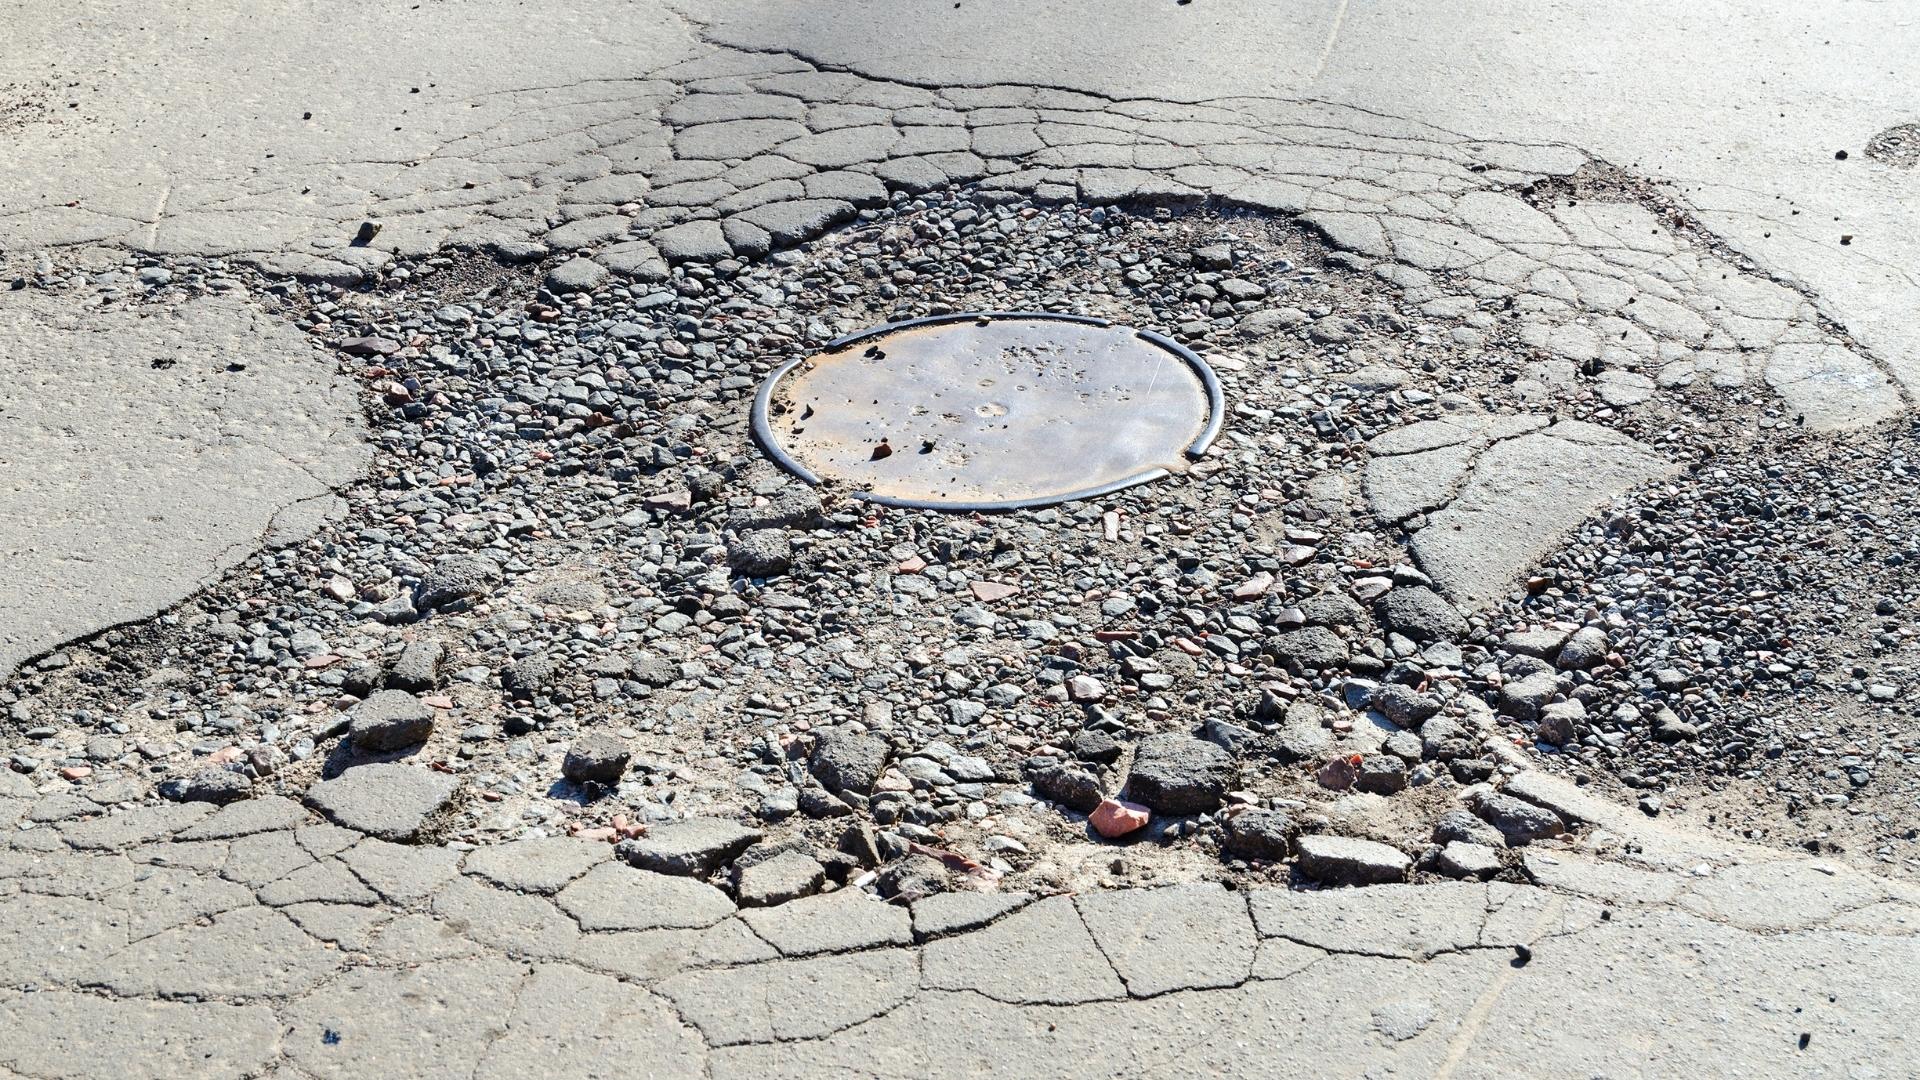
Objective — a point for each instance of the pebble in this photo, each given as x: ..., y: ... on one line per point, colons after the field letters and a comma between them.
x: 1114, y: 818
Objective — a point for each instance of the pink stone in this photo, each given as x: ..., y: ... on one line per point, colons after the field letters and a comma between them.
x: 1085, y: 688
x: 989, y: 591
x: 1340, y: 773
x: 1114, y: 818
x: 675, y: 501
x: 1254, y: 587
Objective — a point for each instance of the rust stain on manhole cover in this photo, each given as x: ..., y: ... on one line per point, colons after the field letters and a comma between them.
x: 990, y: 411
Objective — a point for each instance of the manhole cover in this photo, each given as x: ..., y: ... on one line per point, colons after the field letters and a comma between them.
x: 990, y: 411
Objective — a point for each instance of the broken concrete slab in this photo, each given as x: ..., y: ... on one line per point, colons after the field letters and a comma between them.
x: 1498, y: 492
x: 222, y: 418
x: 387, y: 799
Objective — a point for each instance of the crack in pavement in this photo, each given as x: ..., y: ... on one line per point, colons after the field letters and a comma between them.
x: 1477, y: 1016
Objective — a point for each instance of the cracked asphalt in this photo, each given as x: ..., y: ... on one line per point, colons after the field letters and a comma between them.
x: 257, y: 940
x: 1559, y: 260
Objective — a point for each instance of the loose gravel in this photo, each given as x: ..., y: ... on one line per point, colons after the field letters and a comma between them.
x: 574, y: 584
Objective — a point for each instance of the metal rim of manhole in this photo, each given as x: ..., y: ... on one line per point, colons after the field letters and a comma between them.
x: 991, y: 410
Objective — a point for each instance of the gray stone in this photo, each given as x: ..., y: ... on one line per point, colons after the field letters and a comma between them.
x: 599, y: 758
x: 762, y: 553
x: 1344, y: 860
x: 847, y: 761
x: 1072, y: 786
x: 1177, y: 774
x: 1559, y: 722
x: 530, y: 675
x: 1586, y: 649
x: 748, y: 240
x: 655, y: 671
x: 1421, y: 614
x: 1543, y: 643
x: 211, y: 784
x: 1302, y: 735
x: 695, y: 847
x: 789, y: 875
x: 390, y: 720
x: 1266, y: 835
x: 1310, y: 648
x: 1459, y: 826
x: 1228, y: 736
x: 518, y: 251
x: 1519, y: 822
x: 1332, y: 608
x: 1405, y: 706
x: 455, y: 578
x: 1092, y: 744
x: 1669, y: 728
x: 1213, y: 257
x: 1461, y: 859
x: 417, y: 669
x: 388, y: 800
x: 1525, y: 697
x: 1381, y: 774
x: 795, y: 506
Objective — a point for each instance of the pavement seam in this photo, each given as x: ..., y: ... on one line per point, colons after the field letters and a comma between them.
x: 1482, y: 1009
x: 1099, y: 948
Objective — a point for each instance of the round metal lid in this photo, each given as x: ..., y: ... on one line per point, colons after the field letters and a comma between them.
x: 990, y: 410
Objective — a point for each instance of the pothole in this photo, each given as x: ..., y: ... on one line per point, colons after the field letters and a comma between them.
x: 990, y: 410
x: 990, y: 677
